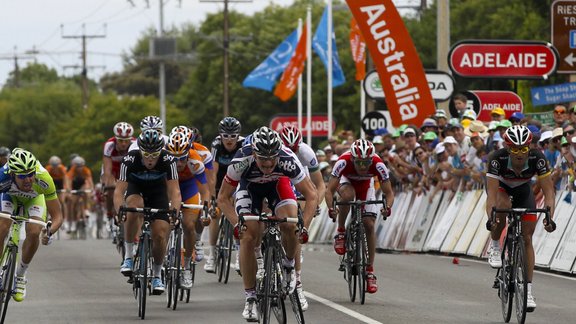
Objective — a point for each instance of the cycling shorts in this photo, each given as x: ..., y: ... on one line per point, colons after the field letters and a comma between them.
x: 250, y: 196
x: 364, y: 190
x: 154, y: 197
x: 522, y: 197
x: 192, y: 200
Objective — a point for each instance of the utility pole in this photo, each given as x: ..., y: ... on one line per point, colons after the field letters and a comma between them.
x: 226, y: 44
x: 17, y: 57
x: 84, y: 37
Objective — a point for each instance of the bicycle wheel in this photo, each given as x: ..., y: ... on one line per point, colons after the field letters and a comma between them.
x: 266, y: 286
x: 168, y: 262
x: 219, y: 262
x: 278, y: 295
x: 143, y: 276
x: 176, y: 267
x: 506, y: 286
x: 520, y: 281
x: 362, y: 259
x: 228, y: 241
x: 297, y: 307
x: 8, y: 269
x: 350, y: 259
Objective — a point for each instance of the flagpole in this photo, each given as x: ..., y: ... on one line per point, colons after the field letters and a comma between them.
x: 300, y: 83
x: 362, y: 106
x: 329, y: 54
x: 309, y: 75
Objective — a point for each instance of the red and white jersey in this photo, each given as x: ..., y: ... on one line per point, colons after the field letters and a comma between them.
x: 345, y: 167
x: 111, y: 152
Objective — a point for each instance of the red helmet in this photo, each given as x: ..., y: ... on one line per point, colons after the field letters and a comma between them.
x: 291, y: 137
x: 123, y: 130
x: 362, y: 149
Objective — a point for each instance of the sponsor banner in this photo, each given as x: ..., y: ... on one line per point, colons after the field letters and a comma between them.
x: 319, y: 124
x: 403, y: 79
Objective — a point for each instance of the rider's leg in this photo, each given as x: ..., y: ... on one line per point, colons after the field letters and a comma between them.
x: 132, y: 224
x: 346, y: 192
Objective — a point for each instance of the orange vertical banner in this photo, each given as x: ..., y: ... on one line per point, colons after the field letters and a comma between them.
x: 289, y: 81
x: 358, y: 47
x: 400, y: 70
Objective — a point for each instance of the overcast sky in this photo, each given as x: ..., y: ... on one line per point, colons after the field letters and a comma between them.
x: 27, y: 25
x: 35, y: 24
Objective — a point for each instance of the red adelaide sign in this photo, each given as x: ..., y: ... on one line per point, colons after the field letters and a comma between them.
x: 403, y: 79
x: 503, y: 59
x: 320, y: 126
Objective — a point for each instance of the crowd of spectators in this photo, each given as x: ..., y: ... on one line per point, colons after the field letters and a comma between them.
x: 451, y: 153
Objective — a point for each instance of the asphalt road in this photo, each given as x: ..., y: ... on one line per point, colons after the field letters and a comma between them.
x: 75, y: 281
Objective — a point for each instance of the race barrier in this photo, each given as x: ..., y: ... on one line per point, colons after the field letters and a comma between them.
x: 454, y: 223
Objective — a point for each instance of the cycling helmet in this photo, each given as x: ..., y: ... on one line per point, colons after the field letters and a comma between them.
x: 178, y: 144
x: 362, y: 149
x: 291, y: 137
x: 54, y: 161
x: 517, y: 136
x: 229, y: 125
x: 150, y: 141
x: 196, y: 136
x: 151, y: 122
x: 4, y: 151
x: 79, y: 161
x: 187, y: 132
x: 123, y: 130
x: 21, y: 161
x: 266, y: 142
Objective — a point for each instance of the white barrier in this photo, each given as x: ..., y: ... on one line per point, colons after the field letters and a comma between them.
x: 472, y: 226
x: 421, y: 227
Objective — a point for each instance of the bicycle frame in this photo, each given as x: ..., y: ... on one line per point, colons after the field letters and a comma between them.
x: 511, y: 279
x: 10, y: 256
x: 355, y: 260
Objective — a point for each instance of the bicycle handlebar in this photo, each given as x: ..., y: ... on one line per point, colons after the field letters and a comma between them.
x: 360, y: 202
x: 266, y: 218
x: 192, y: 206
x: 523, y: 211
x: 79, y: 191
x: 147, y: 210
x: 15, y: 218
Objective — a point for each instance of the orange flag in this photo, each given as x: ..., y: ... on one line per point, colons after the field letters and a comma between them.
x: 358, y: 46
x: 289, y: 81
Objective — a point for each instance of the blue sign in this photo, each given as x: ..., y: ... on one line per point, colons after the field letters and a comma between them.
x: 558, y: 93
x: 572, y: 38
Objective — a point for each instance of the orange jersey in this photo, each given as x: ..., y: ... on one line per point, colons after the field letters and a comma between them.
x: 195, y: 167
x: 205, y: 154
x: 84, y: 173
x: 57, y: 173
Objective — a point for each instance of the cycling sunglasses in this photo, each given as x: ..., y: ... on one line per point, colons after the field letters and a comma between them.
x: 363, y: 163
x: 150, y: 155
x: 266, y: 158
x: 23, y: 176
x: 181, y: 158
x: 519, y: 150
x: 229, y: 136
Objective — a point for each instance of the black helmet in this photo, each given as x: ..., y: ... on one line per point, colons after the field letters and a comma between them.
x: 266, y: 142
x: 150, y: 141
x: 229, y: 125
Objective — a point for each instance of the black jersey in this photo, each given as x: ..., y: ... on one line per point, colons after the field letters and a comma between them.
x: 133, y: 171
x: 223, y: 157
x: 499, y: 167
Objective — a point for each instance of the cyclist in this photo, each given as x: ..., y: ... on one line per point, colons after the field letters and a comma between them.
x: 24, y: 182
x: 4, y: 155
x: 192, y: 181
x: 57, y: 171
x: 207, y: 159
x: 352, y: 176
x: 224, y: 147
x: 115, y: 149
x: 261, y: 170
x: 148, y: 178
x: 509, y: 175
x: 292, y: 138
x: 150, y: 122
x: 79, y: 177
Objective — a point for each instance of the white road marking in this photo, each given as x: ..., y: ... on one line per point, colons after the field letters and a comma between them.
x: 347, y: 311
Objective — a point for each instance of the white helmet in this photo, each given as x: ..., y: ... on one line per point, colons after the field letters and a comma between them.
x: 362, y: 149
x: 518, y: 136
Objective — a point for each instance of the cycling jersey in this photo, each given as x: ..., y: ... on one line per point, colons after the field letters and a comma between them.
x: 149, y: 183
x: 79, y: 176
x: 193, y: 172
x: 223, y: 157
x: 116, y: 157
x: 308, y: 158
x: 204, y: 152
x: 244, y: 167
x: 499, y: 167
x: 58, y: 174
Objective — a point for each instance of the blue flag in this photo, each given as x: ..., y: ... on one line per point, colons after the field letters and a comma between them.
x: 320, y: 46
x: 264, y: 75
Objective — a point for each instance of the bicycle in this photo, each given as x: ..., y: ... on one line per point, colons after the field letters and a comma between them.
x: 510, y: 279
x: 141, y: 271
x: 173, y: 262
x: 223, y: 247
x: 77, y: 213
x: 204, y: 208
x: 353, y: 263
x: 9, y: 258
x: 269, y: 291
